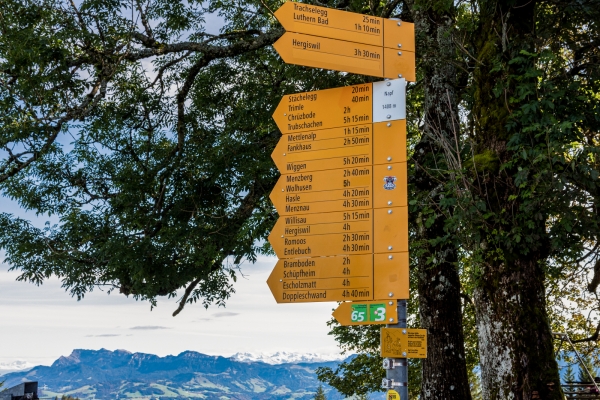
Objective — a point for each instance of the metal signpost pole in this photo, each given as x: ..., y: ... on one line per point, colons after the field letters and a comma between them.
x: 397, y: 368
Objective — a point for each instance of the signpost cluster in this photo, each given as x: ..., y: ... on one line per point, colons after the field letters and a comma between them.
x: 342, y: 234
x: 342, y: 195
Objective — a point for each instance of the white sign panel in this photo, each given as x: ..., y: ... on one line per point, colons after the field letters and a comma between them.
x: 389, y: 100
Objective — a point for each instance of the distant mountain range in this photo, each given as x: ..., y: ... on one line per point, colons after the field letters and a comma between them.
x: 284, y: 357
x: 104, y: 374
x: 14, y: 367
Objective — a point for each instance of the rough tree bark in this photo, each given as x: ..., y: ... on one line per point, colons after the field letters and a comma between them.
x: 444, y: 370
x: 515, y: 341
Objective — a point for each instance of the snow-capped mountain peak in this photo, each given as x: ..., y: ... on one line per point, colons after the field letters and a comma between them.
x: 15, y: 366
x: 284, y: 357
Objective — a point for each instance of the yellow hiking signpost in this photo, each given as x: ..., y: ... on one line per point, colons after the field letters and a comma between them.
x: 331, y: 23
x: 345, y: 189
x: 342, y: 196
x: 342, y: 193
x: 339, y: 55
x: 338, y: 278
x: 341, y: 233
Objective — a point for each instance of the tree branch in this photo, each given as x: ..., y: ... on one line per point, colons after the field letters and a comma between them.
x: 592, y: 338
x: 209, y: 51
x: 186, y: 295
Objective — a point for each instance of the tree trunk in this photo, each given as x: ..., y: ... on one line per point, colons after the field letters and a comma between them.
x: 444, y: 369
x: 515, y: 340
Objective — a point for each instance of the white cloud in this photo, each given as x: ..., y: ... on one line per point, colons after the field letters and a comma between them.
x: 149, y: 328
x: 42, y: 323
x: 104, y: 335
x: 225, y: 314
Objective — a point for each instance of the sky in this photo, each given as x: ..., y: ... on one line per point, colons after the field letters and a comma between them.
x: 39, y: 324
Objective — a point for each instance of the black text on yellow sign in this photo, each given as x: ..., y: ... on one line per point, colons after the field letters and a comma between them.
x: 403, y: 343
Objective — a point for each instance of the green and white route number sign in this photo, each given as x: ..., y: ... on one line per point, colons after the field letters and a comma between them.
x: 368, y: 312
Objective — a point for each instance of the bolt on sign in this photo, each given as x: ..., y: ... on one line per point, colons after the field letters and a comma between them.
x: 342, y: 234
x: 403, y: 343
x: 344, y: 41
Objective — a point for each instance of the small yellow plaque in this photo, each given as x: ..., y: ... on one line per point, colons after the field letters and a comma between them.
x: 403, y: 343
x: 392, y: 395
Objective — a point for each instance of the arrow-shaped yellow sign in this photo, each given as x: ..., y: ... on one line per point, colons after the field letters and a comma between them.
x: 339, y: 55
x: 303, y: 280
x: 348, y: 26
x: 379, y: 231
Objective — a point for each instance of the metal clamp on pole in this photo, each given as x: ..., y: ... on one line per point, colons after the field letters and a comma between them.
x: 390, y: 363
x: 390, y: 383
